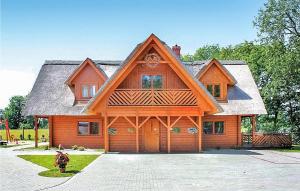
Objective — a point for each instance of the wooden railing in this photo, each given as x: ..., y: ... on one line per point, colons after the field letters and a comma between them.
x: 152, y: 97
x: 267, y: 140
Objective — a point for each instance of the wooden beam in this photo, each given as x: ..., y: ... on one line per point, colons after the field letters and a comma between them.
x: 50, y: 128
x: 110, y: 124
x: 253, y: 123
x: 129, y: 121
x: 168, y: 134
x: 144, y: 121
x: 36, y: 132
x: 157, y: 117
x: 200, y: 133
x: 106, y: 136
x: 137, y: 133
x: 239, y: 132
x: 176, y: 120
x: 189, y: 117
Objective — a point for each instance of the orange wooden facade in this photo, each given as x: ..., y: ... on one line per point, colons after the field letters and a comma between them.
x: 133, y: 119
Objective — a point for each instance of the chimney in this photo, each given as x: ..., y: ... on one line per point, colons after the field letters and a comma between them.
x: 176, y: 49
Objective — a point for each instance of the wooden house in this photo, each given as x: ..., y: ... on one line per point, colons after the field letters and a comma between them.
x: 150, y: 102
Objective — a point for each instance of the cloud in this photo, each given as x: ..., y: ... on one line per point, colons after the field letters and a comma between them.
x: 14, y: 82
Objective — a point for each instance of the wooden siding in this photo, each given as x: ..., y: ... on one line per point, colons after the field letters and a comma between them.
x: 170, y: 78
x: 214, y: 76
x: 183, y: 141
x: 64, y: 130
x: 89, y: 76
x: 123, y: 140
x: 228, y: 139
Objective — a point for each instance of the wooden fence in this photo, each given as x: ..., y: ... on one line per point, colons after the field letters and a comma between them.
x: 267, y: 140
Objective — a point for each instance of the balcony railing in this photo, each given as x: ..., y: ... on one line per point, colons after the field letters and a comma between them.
x: 152, y: 97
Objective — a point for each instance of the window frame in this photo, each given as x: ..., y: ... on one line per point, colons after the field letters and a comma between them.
x: 151, y: 81
x: 213, y: 89
x: 89, y: 86
x: 100, y: 128
x: 213, y: 127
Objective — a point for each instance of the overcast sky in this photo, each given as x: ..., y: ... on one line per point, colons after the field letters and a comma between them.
x: 36, y: 30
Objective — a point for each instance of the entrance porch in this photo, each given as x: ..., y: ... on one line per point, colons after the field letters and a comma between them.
x: 153, y: 133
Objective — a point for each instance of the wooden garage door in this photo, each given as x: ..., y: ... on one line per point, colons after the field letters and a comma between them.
x: 122, y: 137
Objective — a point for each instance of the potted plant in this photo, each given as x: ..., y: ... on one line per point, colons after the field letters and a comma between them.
x: 61, y: 160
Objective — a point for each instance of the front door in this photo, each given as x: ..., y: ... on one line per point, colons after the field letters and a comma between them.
x: 151, y: 136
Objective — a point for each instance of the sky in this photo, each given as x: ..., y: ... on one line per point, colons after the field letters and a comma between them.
x: 33, y: 31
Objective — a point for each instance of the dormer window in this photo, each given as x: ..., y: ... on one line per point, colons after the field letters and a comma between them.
x: 214, y: 90
x: 88, y: 90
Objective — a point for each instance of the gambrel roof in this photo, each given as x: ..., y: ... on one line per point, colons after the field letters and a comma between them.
x: 50, y: 94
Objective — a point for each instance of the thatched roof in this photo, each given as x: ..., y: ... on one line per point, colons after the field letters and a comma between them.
x: 51, y: 96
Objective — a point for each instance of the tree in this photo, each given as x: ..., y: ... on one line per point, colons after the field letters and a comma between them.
x: 279, y: 20
x: 14, y: 111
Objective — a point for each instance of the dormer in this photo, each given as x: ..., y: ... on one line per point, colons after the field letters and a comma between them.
x: 216, y: 78
x: 86, y: 80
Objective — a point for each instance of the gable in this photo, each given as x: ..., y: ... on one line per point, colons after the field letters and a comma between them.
x: 205, y: 100
x: 215, y: 72
x: 86, y: 71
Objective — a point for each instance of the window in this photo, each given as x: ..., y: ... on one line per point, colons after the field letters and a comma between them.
x: 83, y: 128
x: 208, y: 127
x: 85, y: 91
x: 88, y: 128
x: 149, y: 81
x: 214, y: 90
x: 88, y: 91
x: 216, y: 127
x: 219, y: 127
x: 92, y: 90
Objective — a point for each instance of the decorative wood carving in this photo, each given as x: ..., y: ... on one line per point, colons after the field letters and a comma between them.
x: 152, y: 60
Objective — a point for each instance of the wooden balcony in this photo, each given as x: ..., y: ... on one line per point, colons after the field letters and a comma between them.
x: 152, y: 97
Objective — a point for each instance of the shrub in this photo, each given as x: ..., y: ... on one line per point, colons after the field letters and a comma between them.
x: 46, y: 147
x: 81, y: 148
x: 29, y: 137
x: 74, y: 147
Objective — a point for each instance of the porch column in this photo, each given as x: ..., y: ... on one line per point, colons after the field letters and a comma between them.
x: 253, y: 123
x: 106, y: 136
x: 50, y: 128
x: 137, y: 133
x: 36, y: 133
x: 200, y: 132
x: 169, y: 134
x: 239, y: 133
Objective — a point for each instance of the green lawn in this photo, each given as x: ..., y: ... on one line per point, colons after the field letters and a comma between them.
x: 295, y: 148
x: 76, y: 164
x: 17, y: 132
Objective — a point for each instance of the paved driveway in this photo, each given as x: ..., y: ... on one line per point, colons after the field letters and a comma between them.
x: 213, y: 170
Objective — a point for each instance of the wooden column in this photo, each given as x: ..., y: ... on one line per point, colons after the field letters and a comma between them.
x: 200, y: 133
x: 106, y: 136
x: 239, y: 132
x: 253, y: 123
x: 168, y: 134
x: 137, y: 133
x: 50, y: 128
x: 36, y: 132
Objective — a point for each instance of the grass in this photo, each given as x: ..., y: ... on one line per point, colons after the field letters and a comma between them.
x: 17, y: 132
x: 295, y: 148
x: 39, y: 148
x: 76, y: 164
x: 8, y: 146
